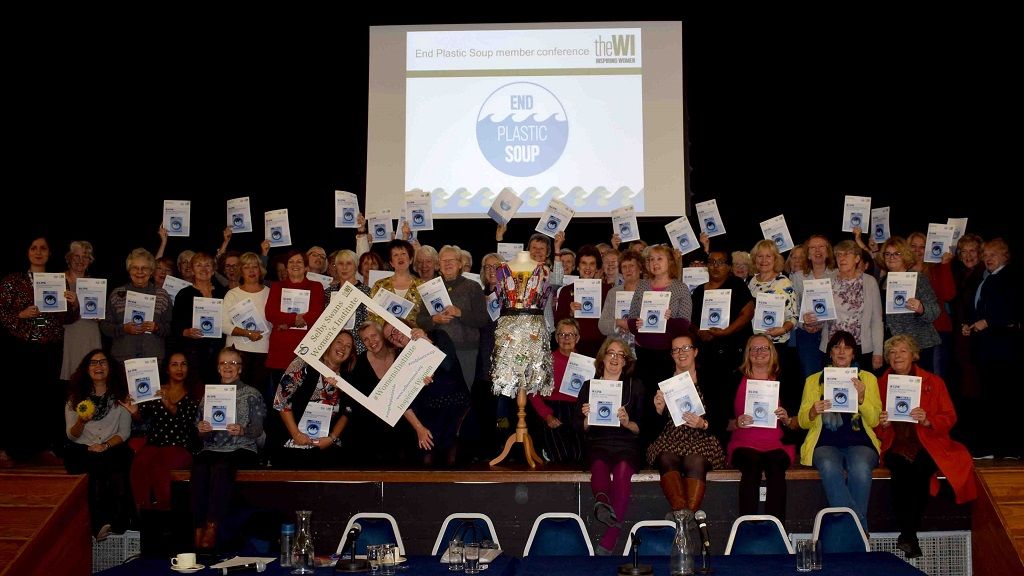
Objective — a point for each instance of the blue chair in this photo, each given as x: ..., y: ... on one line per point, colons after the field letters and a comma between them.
x: 378, y: 528
x: 656, y: 537
x: 758, y: 534
x: 839, y: 530
x: 461, y: 521
x: 558, y: 534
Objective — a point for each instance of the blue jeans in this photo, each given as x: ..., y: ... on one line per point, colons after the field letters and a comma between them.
x: 852, y: 490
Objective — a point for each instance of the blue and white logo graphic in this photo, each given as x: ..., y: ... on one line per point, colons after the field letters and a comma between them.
x: 138, y: 317
x: 714, y: 317
x: 505, y: 205
x: 684, y: 241
x: 903, y: 404
x: 936, y: 248
x: 779, y: 239
x: 684, y: 404
x: 396, y: 309
x: 552, y: 224
x: 841, y: 398
x: 819, y: 306
x: 206, y: 324
x: 348, y: 215
x: 418, y: 218
x: 237, y: 221
x: 438, y: 305
x: 587, y: 303
x: 760, y: 410
x: 522, y: 129
x: 91, y: 303
x: 604, y: 410
x: 250, y: 324
x: 856, y: 218
x: 710, y: 225
x: 219, y: 413
x: 768, y: 318
x: 576, y: 382
x: 879, y: 231
x: 49, y: 298
x: 495, y: 304
x: 176, y: 223
x: 653, y: 317
x: 142, y: 386
x: 625, y: 229
x: 313, y: 428
x: 899, y: 298
x: 276, y: 233
x: 379, y: 231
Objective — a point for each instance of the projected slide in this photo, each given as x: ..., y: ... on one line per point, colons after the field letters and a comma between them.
x: 547, y: 113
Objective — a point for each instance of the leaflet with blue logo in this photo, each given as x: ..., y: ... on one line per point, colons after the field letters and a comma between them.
x: 239, y: 215
x: 938, y: 242
x: 900, y: 287
x: 776, y: 230
x: 902, y: 395
x: 206, y: 316
x: 92, y: 298
x: 473, y: 277
x: 623, y: 302
x: 316, y: 420
x: 715, y: 311
x: 879, y: 225
x: 378, y: 275
x: 817, y: 299
x: 177, y: 217
x: 653, y: 311
x: 856, y: 213
x: 346, y: 210
x: 840, y: 390
x: 509, y: 250
x: 139, y: 307
x: 695, y: 276
x: 493, y: 306
x: 761, y: 401
x: 680, y: 233
x: 555, y: 218
x: 624, y: 224
x: 579, y: 369
x: 247, y: 316
x: 323, y: 279
x: 709, y: 219
x: 173, y: 285
x: 417, y: 210
x: 143, y: 376
x: 769, y: 312
x: 294, y: 300
x: 605, y: 400
x: 48, y: 291
x: 681, y: 397
x: 435, y: 295
x: 276, y: 228
x: 587, y: 293
x: 393, y: 303
x: 219, y: 407
x: 378, y: 226
x: 505, y: 206
x: 400, y: 230
x: 959, y: 227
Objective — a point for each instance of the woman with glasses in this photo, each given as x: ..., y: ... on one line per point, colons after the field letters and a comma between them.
x: 842, y: 445
x: 858, y: 307
x: 250, y: 338
x: 462, y: 320
x: 590, y: 266
x: 98, y: 437
x: 185, y: 335
x: 820, y: 263
x: 755, y: 450
x: 918, y: 317
x: 561, y: 442
x: 81, y: 335
x: 614, y: 453
x: 135, y: 336
x: 224, y: 451
x: 684, y: 454
x: 611, y: 324
x: 345, y: 271
x: 302, y: 387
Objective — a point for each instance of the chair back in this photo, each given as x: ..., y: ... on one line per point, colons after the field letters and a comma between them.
x: 758, y: 534
x: 839, y: 530
x: 558, y: 534
x: 378, y: 528
x: 461, y: 522
x: 656, y: 537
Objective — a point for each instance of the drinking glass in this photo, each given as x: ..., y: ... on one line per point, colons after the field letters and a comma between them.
x: 373, y: 556
x: 472, y: 551
x: 804, y: 556
x: 388, y: 559
x: 816, y: 550
x: 455, y: 555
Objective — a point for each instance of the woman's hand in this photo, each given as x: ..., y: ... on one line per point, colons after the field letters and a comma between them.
x: 424, y: 439
x: 324, y: 443
x: 616, y: 240
x: 552, y: 422
x: 499, y: 233
x: 693, y: 421
x: 162, y: 233
x: 783, y: 416
x: 744, y: 421
x: 876, y: 361
x: 921, y: 416
x: 859, y: 385
x: 622, y: 325
x: 265, y: 247
x: 585, y: 409
x: 883, y: 419
x: 659, y: 402
x: 97, y: 448
x: 30, y: 312
x: 300, y: 321
x: 194, y: 333
x: 559, y: 240
x: 623, y: 416
x: 575, y: 306
x: 235, y: 430
x: 204, y: 427
x: 129, y: 405
x: 300, y: 439
x: 915, y: 305
x: 71, y: 297
x: 819, y: 407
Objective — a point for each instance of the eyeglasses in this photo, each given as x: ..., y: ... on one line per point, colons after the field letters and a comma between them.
x: 98, y: 362
x: 139, y: 269
x: 681, y: 349
x: 229, y: 363
x: 490, y: 267
x: 613, y: 354
x: 717, y: 263
x: 567, y: 335
x: 892, y: 254
x: 759, y: 349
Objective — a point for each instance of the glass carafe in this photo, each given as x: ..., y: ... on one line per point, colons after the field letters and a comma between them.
x: 684, y: 544
x: 303, y: 558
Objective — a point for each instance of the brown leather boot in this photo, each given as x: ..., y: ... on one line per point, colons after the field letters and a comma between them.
x: 675, y: 492
x: 695, y: 493
x: 209, y: 541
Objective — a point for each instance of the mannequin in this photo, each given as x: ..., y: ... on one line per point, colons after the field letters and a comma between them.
x: 521, y: 363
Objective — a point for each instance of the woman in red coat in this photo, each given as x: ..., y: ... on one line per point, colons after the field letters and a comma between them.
x: 916, y: 452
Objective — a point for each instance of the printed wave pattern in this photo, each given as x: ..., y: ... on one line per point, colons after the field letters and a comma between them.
x: 600, y: 199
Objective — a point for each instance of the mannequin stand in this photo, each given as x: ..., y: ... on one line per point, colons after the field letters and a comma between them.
x: 520, y: 435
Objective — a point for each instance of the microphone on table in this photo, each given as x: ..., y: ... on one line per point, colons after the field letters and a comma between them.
x: 351, y: 564
x: 636, y: 568
x: 701, y: 517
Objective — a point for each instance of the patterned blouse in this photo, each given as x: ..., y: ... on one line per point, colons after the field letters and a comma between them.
x: 16, y: 294
x: 166, y: 429
x: 849, y: 303
x: 412, y: 295
x: 782, y: 285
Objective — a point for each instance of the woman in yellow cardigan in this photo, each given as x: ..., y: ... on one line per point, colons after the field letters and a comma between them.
x: 842, y: 444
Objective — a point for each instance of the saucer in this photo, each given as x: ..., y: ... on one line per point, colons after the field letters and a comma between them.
x: 189, y: 570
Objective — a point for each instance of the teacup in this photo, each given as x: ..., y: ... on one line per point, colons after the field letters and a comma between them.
x: 184, y: 560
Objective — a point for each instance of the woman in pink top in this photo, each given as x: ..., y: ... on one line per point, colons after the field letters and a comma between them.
x: 561, y: 441
x: 753, y: 450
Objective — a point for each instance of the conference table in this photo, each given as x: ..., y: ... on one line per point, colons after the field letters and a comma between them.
x: 854, y: 564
